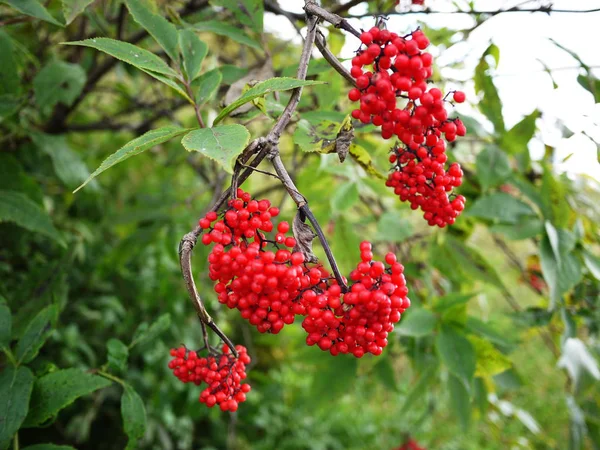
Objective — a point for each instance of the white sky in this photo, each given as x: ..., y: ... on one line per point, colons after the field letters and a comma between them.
x: 523, y: 85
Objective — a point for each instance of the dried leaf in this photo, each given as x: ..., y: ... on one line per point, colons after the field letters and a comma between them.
x: 304, y: 236
x: 344, y: 139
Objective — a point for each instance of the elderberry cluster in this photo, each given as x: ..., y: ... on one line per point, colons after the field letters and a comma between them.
x: 222, y: 372
x: 270, y: 285
x: 392, y: 67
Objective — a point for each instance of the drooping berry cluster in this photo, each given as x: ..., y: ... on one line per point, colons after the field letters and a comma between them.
x: 222, y: 372
x: 358, y: 321
x: 271, y: 287
x: 392, y: 67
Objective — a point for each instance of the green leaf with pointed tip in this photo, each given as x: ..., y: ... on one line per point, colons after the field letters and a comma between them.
x: 16, y: 384
x: 418, y: 322
x: 169, y: 82
x: 118, y: 353
x: 515, y: 140
x: 222, y: 144
x: 233, y: 33
x: 490, y: 361
x: 5, y: 327
x: 501, y: 207
x: 261, y: 89
x: 72, y: 8
x: 363, y: 159
x: 527, y: 227
x: 35, y: 334
x: 135, y: 147
x: 460, y: 401
x: 133, y: 413
x: 493, y: 167
x: 457, y: 353
x: 490, y: 104
x: 59, y: 389
x: 163, y: 31
x: 206, y: 85
x: 193, y: 50
x: 20, y: 209
x: 32, y: 8
x: 129, y: 53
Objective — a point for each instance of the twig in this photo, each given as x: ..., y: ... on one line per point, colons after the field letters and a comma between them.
x: 543, y: 9
x: 312, y: 9
x: 331, y: 59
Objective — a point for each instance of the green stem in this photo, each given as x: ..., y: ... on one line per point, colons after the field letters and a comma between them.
x: 10, y: 356
x: 111, y: 377
x: 16, y: 441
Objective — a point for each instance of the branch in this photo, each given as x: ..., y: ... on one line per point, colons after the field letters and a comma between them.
x: 312, y: 9
x: 321, y: 44
x: 542, y: 9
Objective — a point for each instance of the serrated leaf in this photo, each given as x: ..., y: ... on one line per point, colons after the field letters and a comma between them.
x: 135, y: 147
x: 490, y: 104
x: 58, y: 82
x: 229, y: 31
x: 222, y: 144
x: 460, y: 401
x: 16, y: 384
x: 145, y: 333
x: 261, y: 89
x: 163, y: 31
x: 118, y: 353
x: 72, y: 8
x: 248, y: 12
x: 169, y: 82
x: 193, y: 50
x: 5, y: 327
x: 418, y: 322
x: 457, y: 353
x: 56, y: 390
x: 129, y: 53
x: 490, y: 361
x: 493, y: 167
x: 501, y: 207
x: 35, y: 334
x: 133, y: 413
x: 32, y: 8
x: 18, y: 208
x: 206, y: 85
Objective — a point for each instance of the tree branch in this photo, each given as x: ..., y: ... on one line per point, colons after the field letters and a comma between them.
x: 312, y: 9
x: 331, y: 59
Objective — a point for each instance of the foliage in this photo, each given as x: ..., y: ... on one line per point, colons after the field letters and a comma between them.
x: 501, y: 339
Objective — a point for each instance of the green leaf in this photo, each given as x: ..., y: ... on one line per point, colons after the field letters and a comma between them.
x: 490, y: 361
x: 393, y: 227
x: 418, y: 322
x: 261, y: 89
x: 526, y: 228
x: 501, y: 207
x: 133, y: 413
x: 144, y: 333
x: 460, y: 401
x: 248, y: 12
x: 554, y: 195
x: 490, y: 104
x: 443, y: 304
x: 135, y: 147
x: 49, y: 447
x: 363, y: 159
x: 222, y: 144
x: 163, y: 31
x: 419, y: 389
x: 5, y: 327
x: 561, y: 276
x: 590, y: 84
x: 457, y: 354
x: 169, y: 82
x: 193, y: 50
x: 229, y: 31
x: 72, y: 8
x: 67, y: 164
x: 344, y: 197
x: 129, y: 53
x: 118, y: 353
x: 36, y: 334
x: 58, y: 82
x: 493, y: 167
x: 206, y: 85
x: 315, y: 135
x: 56, y: 390
x: 18, y: 208
x: 16, y: 384
x: 516, y: 139
x: 592, y: 263
x: 32, y: 8
x: 485, y: 330
x: 9, y: 76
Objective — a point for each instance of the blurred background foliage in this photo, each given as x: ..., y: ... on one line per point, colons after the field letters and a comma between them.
x: 498, y: 351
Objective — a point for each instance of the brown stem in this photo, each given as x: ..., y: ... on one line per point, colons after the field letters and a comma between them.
x: 331, y: 59
x: 312, y: 9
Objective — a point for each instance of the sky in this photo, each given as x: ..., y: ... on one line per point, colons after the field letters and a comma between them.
x: 523, y: 85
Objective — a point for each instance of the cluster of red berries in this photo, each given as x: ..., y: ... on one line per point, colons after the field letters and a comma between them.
x: 271, y: 287
x: 392, y: 67
x: 222, y: 372
x: 358, y: 321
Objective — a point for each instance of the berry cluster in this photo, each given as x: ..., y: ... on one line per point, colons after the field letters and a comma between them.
x: 392, y: 67
x: 222, y: 372
x: 271, y: 287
